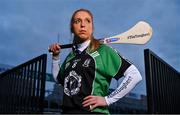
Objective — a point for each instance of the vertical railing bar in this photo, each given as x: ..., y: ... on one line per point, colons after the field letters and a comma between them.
x: 27, y: 89
x: 154, y: 82
x: 34, y: 87
x: 6, y: 93
x: 38, y: 83
x: 43, y: 80
x: 13, y: 83
x: 20, y: 101
x: 30, y: 89
x: 17, y: 105
x: 23, y: 89
x: 149, y: 88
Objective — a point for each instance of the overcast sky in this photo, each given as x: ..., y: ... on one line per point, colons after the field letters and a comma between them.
x: 27, y: 27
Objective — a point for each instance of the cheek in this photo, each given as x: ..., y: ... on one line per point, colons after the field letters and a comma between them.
x: 75, y: 29
x: 91, y: 30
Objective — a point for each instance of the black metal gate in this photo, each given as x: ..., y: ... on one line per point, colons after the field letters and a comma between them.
x: 163, y: 85
x: 22, y: 88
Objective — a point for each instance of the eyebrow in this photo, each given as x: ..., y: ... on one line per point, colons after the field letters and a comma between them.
x: 81, y: 18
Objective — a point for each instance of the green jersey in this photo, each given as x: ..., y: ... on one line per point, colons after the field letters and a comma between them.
x: 89, y: 73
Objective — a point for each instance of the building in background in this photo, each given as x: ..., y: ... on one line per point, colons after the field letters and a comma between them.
x: 53, y: 95
x: 4, y: 67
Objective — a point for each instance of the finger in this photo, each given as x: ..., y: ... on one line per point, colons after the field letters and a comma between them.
x: 88, y: 97
x: 54, y: 47
x: 57, y: 46
x: 89, y: 102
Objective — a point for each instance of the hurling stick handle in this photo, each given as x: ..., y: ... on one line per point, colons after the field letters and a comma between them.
x: 63, y: 47
x: 66, y: 46
x: 71, y: 45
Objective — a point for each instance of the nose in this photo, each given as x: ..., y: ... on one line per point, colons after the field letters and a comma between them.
x: 83, y: 24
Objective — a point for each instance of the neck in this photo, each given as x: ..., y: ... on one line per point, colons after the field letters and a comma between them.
x: 78, y: 40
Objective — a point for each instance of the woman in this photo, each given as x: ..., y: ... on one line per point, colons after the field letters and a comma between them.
x: 87, y: 71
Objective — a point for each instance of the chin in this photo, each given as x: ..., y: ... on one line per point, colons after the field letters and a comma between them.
x: 83, y: 38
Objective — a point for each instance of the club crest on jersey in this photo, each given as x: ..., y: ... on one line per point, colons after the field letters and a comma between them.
x: 86, y: 63
x: 72, y: 83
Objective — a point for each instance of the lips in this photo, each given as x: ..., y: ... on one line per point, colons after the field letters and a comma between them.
x: 82, y: 31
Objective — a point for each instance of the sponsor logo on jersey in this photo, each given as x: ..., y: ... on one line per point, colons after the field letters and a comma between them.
x: 123, y: 87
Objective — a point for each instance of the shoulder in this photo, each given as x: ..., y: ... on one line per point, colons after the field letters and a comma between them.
x: 70, y: 56
x: 103, y: 48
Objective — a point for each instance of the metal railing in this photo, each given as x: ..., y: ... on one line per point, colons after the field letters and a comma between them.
x: 22, y: 88
x: 163, y: 84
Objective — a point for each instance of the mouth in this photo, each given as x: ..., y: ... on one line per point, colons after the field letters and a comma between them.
x: 82, y: 31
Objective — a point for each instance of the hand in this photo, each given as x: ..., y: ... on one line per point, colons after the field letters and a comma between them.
x: 94, y: 101
x: 55, y: 49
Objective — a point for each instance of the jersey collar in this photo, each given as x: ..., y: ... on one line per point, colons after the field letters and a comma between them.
x: 81, y: 47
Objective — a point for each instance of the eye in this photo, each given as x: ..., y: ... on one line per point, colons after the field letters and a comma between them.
x: 88, y: 20
x: 76, y: 21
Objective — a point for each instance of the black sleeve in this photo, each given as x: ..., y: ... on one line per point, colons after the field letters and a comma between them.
x: 60, y: 75
x: 124, y: 65
x: 59, y: 78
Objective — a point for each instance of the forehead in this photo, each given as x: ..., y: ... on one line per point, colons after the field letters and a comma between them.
x: 82, y: 14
